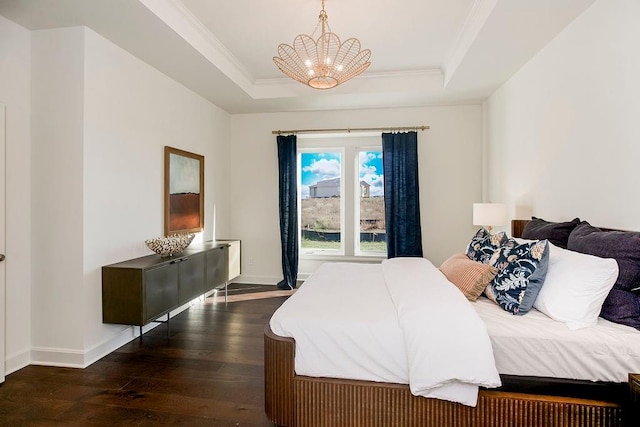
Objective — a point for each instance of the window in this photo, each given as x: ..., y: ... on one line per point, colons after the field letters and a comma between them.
x: 321, y: 201
x: 370, y: 207
x: 341, y: 197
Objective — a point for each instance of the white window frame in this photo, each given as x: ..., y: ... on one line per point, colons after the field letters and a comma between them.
x: 349, y: 145
x: 323, y: 149
x: 356, y: 203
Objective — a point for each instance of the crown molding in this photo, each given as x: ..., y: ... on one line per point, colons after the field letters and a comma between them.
x: 394, y: 81
x: 180, y: 19
x: 475, y: 20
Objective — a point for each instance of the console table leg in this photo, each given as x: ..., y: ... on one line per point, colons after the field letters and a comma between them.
x: 168, y: 327
x: 225, y: 290
x: 140, y: 333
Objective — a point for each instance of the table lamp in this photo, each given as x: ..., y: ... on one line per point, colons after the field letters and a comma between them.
x: 489, y: 214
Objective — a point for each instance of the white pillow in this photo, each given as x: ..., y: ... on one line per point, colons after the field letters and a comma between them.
x: 575, y: 287
x: 522, y: 241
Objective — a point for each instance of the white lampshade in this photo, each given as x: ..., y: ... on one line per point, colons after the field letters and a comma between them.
x: 489, y: 214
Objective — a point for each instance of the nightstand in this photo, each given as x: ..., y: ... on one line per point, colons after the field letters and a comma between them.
x: 634, y: 400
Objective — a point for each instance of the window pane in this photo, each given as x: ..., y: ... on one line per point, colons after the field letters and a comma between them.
x: 320, y: 206
x: 372, y: 225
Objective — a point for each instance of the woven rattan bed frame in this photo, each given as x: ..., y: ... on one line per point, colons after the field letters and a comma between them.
x: 295, y: 400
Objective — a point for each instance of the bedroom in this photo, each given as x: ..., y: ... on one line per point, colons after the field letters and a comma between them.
x: 572, y: 104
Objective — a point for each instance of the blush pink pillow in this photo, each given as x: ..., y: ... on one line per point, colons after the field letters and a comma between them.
x: 470, y: 276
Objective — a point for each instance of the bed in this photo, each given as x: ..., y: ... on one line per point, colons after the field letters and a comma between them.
x: 321, y: 399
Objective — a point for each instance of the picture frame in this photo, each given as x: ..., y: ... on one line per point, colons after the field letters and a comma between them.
x: 183, y: 191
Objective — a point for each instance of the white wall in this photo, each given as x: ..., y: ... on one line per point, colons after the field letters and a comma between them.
x: 131, y: 112
x: 57, y: 189
x: 15, y: 93
x: 449, y: 165
x: 101, y: 121
x: 562, y: 134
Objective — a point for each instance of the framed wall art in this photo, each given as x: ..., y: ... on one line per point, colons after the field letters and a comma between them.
x: 183, y: 191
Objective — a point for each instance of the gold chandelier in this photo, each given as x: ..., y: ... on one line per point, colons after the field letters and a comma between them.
x: 323, y: 63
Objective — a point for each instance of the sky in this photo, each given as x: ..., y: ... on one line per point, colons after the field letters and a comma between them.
x: 316, y: 167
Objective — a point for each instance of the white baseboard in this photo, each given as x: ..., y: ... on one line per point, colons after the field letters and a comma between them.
x: 266, y: 280
x: 17, y: 361
x: 257, y: 280
x: 116, y: 341
x: 62, y: 357
x: 81, y: 359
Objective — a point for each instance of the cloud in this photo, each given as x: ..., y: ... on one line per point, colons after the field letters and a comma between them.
x: 376, y: 182
x: 367, y: 170
x: 304, y: 191
x: 365, y: 156
x: 324, y: 168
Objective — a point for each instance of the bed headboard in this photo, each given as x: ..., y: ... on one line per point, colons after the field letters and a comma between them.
x: 517, y: 226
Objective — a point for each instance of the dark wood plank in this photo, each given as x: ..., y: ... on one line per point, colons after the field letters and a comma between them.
x: 210, y: 372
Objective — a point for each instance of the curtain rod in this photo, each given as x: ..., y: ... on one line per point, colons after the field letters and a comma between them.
x: 349, y: 130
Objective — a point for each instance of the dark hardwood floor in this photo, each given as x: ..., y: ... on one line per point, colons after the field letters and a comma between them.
x: 210, y: 372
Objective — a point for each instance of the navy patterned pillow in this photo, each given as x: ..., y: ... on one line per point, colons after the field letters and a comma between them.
x: 521, y: 272
x: 484, y: 244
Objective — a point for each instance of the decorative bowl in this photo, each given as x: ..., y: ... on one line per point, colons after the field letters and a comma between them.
x: 170, y: 245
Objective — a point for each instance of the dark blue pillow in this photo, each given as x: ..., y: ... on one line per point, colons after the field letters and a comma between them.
x: 622, y: 307
x: 555, y: 232
x: 521, y: 272
x: 623, y: 246
x: 484, y: 244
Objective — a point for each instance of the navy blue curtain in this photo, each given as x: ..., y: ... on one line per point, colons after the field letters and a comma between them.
x: 287, y: 176
x: 401, y: 195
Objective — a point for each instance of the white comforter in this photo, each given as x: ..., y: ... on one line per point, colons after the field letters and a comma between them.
x: 399, y: 322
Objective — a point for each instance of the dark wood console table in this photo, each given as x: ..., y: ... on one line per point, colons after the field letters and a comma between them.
x: 141, y: 290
